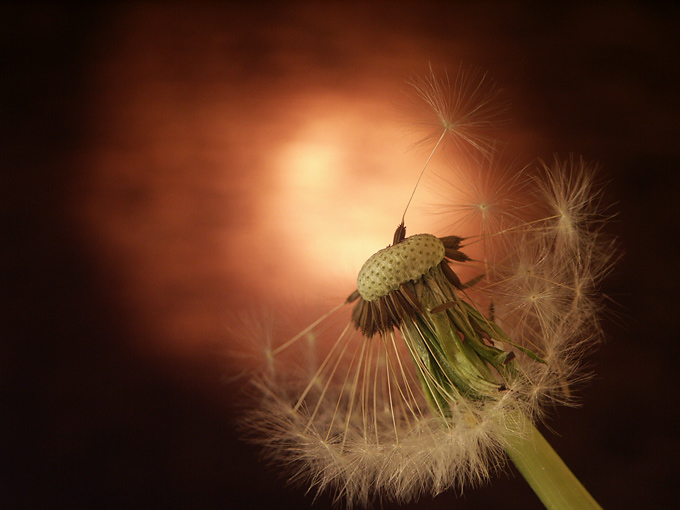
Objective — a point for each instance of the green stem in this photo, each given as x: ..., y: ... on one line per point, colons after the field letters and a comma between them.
x: 545, y: 471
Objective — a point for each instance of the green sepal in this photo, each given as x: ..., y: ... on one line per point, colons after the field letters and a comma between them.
x: 495, y: 331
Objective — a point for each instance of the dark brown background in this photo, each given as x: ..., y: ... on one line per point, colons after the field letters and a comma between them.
x: 146, y: 152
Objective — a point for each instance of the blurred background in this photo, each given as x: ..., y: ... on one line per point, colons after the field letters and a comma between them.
x: 169, y: 167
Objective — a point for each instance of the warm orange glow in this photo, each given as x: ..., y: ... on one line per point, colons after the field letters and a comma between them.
x: 341, y: 186
x: 212, y: 204
x: 210, y: 192
x: 310, y: 166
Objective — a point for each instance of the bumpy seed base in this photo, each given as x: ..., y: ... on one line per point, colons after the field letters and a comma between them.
x: 408, y: 260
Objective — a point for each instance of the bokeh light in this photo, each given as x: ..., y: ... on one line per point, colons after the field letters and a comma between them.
x: 210, y: 190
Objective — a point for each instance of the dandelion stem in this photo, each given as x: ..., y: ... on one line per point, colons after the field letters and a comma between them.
x: 544, y: 470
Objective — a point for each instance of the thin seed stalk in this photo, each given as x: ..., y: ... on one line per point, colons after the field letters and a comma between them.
x: 544, y: 470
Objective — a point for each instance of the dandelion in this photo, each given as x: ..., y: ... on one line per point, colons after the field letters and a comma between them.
x: 440, y: 364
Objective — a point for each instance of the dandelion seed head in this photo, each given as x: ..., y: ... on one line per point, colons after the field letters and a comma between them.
x: 408, y: 260
x: 415, y: 393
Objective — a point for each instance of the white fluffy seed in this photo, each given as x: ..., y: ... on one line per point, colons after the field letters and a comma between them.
x: 408, y: 260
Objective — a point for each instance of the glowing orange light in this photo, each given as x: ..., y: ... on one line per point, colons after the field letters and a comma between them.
x: 341, y: 184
